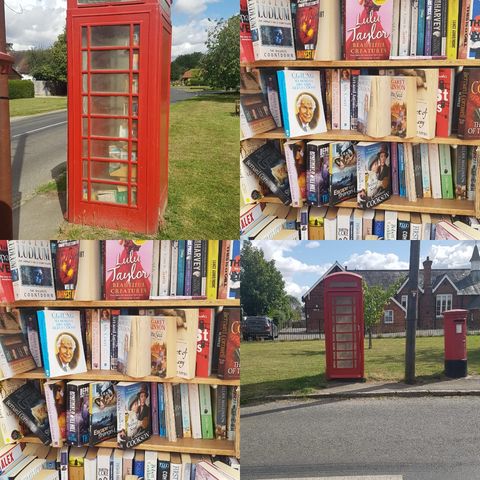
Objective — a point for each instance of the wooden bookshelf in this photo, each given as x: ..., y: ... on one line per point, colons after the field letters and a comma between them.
x: 354, y: 136
x: 182, y: 445
x: 113, y: 375
x: 399, y: 204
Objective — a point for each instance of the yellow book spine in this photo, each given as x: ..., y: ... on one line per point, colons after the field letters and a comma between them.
x: 452, y: 29
x: 212, y: 269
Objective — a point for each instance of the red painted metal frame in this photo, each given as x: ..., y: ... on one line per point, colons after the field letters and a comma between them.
x: 455, y: 343
x: 154, y: 47
x: 344, y: 285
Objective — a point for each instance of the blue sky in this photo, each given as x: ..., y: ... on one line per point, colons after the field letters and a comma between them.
x: 302, y: 263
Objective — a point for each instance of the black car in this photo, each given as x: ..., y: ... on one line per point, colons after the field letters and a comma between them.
x: 259, y: 327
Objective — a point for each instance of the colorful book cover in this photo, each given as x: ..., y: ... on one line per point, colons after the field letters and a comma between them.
x: 302, y: 106
x: 204, y: 347
x: 373, y: 173
x: 221, y: 413
x: 163, y: 335
x: 342, y: 171
x: 469, y: 123
x: 11, y: 429
x: 234, y: 270
x: 223, y: 276
x: 56, y: 399
x: 296, y: 167
x: 66, y: 270
x: 30, y: 407
x: 28, y: 318
x: 133, y: 413
x: 102, y: 411
x: 78, y: 393
x: 197, y: 268
x: 474, y: 30
x: 128, y: 269
x: 421, y: 27
x: 446, y: 176
x: 230, y: 367
x: 162, y: 425
x: 186, y: 426
x: 318, y: 178
x: 368, y: 29
x: 181, y: 267
x: 306, y: 28
x: 206, y: 417
x: 31, y: 268
x: 212, y: 269
x: 61, y: 341
x: 6, y: 286
x: 444, y: 102
x: 246, y: 47
x: 402, y: 107
x: 188, y: 267
x: 271, y: 29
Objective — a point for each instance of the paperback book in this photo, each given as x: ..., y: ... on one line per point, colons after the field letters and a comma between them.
x: 343, y: 171
x: 6, y: 286
x: 66, y: 270
x: 102, y: 411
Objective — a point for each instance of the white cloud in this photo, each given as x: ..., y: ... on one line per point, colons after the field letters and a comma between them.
x: 192, y: 7
x: 312, y: 244
x: 375, y: 261
x: 451, y: 256
x: 190, y: 37
x: 295, y: 290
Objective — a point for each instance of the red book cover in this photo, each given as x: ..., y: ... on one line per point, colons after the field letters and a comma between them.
x: 246, y: 47
x: 224, y: 269
x: 6, y: 287
x: 204, y: 342
x: 306, y: 31
x: 444, y: 102
x: 231, y: 364
x: 66, y: 269
x: 469, y: 126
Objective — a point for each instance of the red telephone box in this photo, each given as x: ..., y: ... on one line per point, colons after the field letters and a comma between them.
x: 455, y: 335
x: 343, y: 306
x: 118, y: 109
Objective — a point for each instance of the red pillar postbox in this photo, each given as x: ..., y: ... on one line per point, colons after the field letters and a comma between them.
x: 343, y: 306
x: 455, y: 335
x: 118, y: 108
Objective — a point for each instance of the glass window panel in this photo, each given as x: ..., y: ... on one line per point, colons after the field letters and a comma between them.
x: 109, y: 149
x: 85, y: 127
x: 343, y: 319
x: 109, y: 127
x: 135, y: 60
x: 113, y: 171
x: 84, y: 190
x: 134, y: 128
x: 109, y: 105
x: 118, y: 172
x: 85, y: 147
x: 104, y: 192
x: 85, y: 169
x: 85, y: 105
x: 134, y: 173
x: 134, y: 107
x: 343, y: 346
x: 346, y: 327
x: 135, y: 83
x: 344, y: 355
x: 134, y: 196
x: 109, y: 35
x: 84, y: 61
x: 134, y: 151
x: 344, y: 337
x: 110, y: 82
x: 84, y: 83
x: 136, y: 35
x: 343, y: 309
x: 84, y: 36
x: 109, y: 60
x: 343, y: 300
x: 344, y: 363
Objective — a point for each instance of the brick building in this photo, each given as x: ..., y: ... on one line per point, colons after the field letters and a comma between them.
x: 439, y: 290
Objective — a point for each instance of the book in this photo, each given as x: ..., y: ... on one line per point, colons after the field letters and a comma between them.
x: 318, y: 178
x: 194, y: 407
x: 128, y: 268
x: 471, y: 48
x: 342, y: 171
x: 105, y: 336
x: 469, y: 120
x: 163, y: 471
x: 186, y: 425
x: 177, y: 410
x: 9, y: 456
x: 29, y: 405
x: 6, y: 286
x: 11, y: 429
x: 374, y: 92
x: 164, y: 269
x: 295, y: 157
x: 104, y: 463
x: 446, y: 78
x: 197, y: 268
x: 204, y: 342
x: 345, y: 94
x: 102, y: 411
x: 56, y: 399
x: 246, y: 47
x: 229, y: 360
x: 329, y: 31
x: 150, y: 465
x: 133, y: 413
x: 134, y: 345
x: 390, y: 225
x: 301, y: 99
x: 446, y: 176
x: 271, y: 29
x: 373, y: 173
x: 61, y: 341
x: 306, y: 31
x: 368, y: 30
x: 31, y: 269
x: 403, y: 105
x: 221, y: 413
x: 66, y: 271
x: 234, y: 270
x: 206, y: 411
x: 163, y: 339
x: 461, y: 172
x: 78, y: 393
x: 269, y: 86
x: 403, y: 226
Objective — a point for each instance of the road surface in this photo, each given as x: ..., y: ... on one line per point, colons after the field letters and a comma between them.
x: 416, y: 438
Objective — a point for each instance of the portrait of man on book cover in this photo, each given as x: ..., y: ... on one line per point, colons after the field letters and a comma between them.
x: 66, y: 346
x: 307, y: 111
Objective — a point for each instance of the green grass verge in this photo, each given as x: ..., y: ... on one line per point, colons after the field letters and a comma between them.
x: 30, y: 106
x: 275, y: 368
x: 203, y: 174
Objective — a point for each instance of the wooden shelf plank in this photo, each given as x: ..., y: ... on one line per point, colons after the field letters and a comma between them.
x: 182, y: 445
x: 167, y: 302
x: 407, y: 62
x: 399, y: 204
x: 349, y: 135
x: 97, y: 375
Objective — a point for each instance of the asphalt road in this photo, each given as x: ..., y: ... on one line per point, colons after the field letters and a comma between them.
x: 417, y: 438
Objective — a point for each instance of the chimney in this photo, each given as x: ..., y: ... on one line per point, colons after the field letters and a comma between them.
x: 427, y: 276
x: 475, y: 264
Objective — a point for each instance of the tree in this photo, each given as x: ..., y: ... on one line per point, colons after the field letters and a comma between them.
x: 220, y: 63
x: 183, y: 63
x: 262, y: 288
x: 375, y: 298
x: 295, y: 308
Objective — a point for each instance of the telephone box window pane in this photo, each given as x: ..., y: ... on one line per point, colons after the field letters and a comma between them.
x: 112, y: 171
x: 134, y: 196
x: 109, y: 127
x: 85, y: 169
x: 109, y: 149
x: 84, y: 61
x: 118, y: 172
x: 134, y: 151
x: 343, y: 346
x: 85, y: 83
x: 109, y: 105
x: 344, y: 364
x: 84, y: 36
x: 135, y: 60
x: 110, y: 35
x: 345, y: 327
x: 85, y: 148
x: 136, y: 35
x: 103, y: 192
x: 134, y: 107
x: 134, y: 129
x: 134, y: 173
x: 347, y: 355
x: 110, y: 82
x: 343, y: 337
x: 109, y: 60
x: 135, y: 83
x: 85, y: 127
x: 84, y: 191
x: 85, y: 105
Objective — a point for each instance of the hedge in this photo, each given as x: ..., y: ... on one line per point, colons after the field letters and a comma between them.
x: 20, y: 89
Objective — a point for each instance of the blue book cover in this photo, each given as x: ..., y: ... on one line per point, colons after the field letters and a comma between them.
x: 43, y: 341
x: 428, y: 27
x: 181, y: 267
x: 138, y: 466
x: 234, y: 273
x: 162, y: 426
x: 188, y: 268
x: 282, y: 90
x: 401, y: 171
x: 421, y: 27
x: 379, y: 227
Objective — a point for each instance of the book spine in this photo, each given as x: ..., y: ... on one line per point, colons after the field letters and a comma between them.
x: 212, y: 271
x: 292, y: 176
x: 421, y: 27
x: 221, y: 413
x: 395, y: 28
x: 401, y: 171
x: 96, y: 340
x: 197, y: 268
x: 254, y: 28
x: 204, y: 267
x: 437, y: 28
x: 311, y: 155
x: 426, y: 187
x: 181, y: 268
x: 13, y: 259
x: 195, y: 411
x: 164, y: 269
x: 10, y: 457
x: 206, y: 411
x: 464, y: 29
x: 461, y: 173
x: 42, y: 330
x: 188, y: 267
x: 177, y: 408
x: 464, y: 91
x: 174, y: 269
x: 114, y: 340
x: 282, y: 91
x: 154, y: 404
x: 446, y: 171
x: 414, y: 27
x: 403, y: 232
x: 354, y: 99
x: 162, y: 427
x: 444, y: 25
x: 428, y: 27
x: 105, y: 343
x: 52, y: 417
x: 336, y: 99
x: 223, y: 283
x: 472, y: 173
x: 404, y: 29
x: 345, y: 99
x: 186, y: 426
x: 395, y: 186
x: 434, y: 166
x: 233, y: 394
x: 72, y: 397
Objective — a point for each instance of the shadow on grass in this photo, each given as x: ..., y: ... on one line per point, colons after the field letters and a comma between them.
x: 214, y: 97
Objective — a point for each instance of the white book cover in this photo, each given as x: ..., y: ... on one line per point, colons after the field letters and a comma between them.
x: 271, y: 29
x: 194, y: 404
x: 295, y: 154
x: 358, y: 224
x: 174, y: 269
x: 118, y: 464
x: 434, y: 164
x: 103, y: 463
x: 329, y: 31
x: 95, y: 339
x: 368, y: 217
x: 155, y: 264
x: 61, y: 340
x: 336, y: 99
x: 187, y: 328
x: 303, y: 222
x: 364, y: 100
x: 90, y: 465
x: 187, y: 429
x: 345, y: 116
x: 390, y: 225
x: 404, y: 28
x: 426, y: 185
x: 415, y: 231
x: 413, y: 27
x: 395, y: 28
x: 176, y: 471
x: 89, y: 274
x: 31, y: 269
x: 150, y: 465
x: 426, y: 226
x: 105, y: 329
x: 128, y: 456
x: 164, y: 273
x: 330, y: 224
x: 343, y: 223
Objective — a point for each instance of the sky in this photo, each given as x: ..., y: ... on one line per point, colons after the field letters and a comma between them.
x: 303, y: 263
x: 37, y: 23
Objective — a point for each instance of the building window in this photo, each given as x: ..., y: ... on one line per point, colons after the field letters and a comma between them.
x: 388, y: 316
x: 405, y: 301
x: 444, y: 302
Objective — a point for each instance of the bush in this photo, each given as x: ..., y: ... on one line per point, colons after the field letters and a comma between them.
x: 20, y: 89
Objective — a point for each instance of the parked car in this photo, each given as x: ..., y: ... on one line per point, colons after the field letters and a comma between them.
x: 259, y: 327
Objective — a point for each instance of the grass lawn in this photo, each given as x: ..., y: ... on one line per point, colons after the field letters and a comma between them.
x: 29, y: 106
x: 299, y: 367
x: 203, y: 173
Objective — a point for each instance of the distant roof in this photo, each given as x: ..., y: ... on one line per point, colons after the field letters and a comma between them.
x: 188, y: 74
x: 475, y: 254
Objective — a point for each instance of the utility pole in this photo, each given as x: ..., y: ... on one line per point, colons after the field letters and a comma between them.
x: 6, y: 61
x: 412, y: 311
